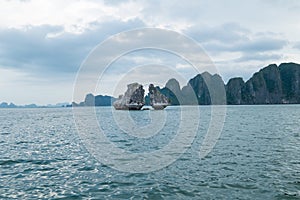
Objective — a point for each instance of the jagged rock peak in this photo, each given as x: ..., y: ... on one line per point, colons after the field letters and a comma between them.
x: 173, y: 84
x: 157, y: 100
x: 133, y: 99
x: 234, y: 90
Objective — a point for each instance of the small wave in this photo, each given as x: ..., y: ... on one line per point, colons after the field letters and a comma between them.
x: 23, y: 142
x: 18, y: 161
x: 240, y: 186
x: 86, y: 168
x: 5, y: 133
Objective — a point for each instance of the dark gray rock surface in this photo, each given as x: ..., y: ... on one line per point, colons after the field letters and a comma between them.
x: 234, y: 90
x: 271, y: 85
x: 133, y: 99
x: 157, y: 99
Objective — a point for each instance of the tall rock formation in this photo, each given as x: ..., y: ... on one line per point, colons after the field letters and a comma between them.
x: 272, y: 78
x: 290, y: 76
x: 157, y: 100
x: 264, y: 87
x: 208, y: 89
x: 172, y: 91
x: 234, y: 91
x: 199, y: 87
x: 203, y: 89
x: 133, y: 99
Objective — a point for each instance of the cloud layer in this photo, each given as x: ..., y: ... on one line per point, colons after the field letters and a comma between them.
x: 46, y: 42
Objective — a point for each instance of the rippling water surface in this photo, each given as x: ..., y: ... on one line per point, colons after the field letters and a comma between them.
x: 256, y: 157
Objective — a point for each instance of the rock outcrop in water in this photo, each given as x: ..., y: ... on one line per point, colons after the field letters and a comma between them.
x: 158, y: 101
x: 99, y: 100
x: 133, y: 99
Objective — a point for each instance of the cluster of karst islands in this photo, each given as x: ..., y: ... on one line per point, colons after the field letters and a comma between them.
x: 133, y: 99
x: 271, y: 85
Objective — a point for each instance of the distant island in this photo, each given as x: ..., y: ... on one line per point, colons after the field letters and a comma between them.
x: 12, y: 105
x: 271, y: 85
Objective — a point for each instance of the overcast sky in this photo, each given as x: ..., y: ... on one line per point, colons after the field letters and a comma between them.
x: 44, y: 43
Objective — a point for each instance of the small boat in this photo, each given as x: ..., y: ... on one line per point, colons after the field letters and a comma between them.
x: 134, y: 106
x: 159, y: 106
x: 128, y: 106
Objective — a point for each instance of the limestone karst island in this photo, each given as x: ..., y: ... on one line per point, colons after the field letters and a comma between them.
x: 270, y: 85
x: 133, y: 99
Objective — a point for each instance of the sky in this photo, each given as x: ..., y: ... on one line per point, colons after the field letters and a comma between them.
x: 43, y: 43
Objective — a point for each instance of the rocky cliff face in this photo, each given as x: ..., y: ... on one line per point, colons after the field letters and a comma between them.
x: 133, y: 99
x: 172, y: 91
x: 290, y: 76
x: 271, y: 85
x: 234, y: 90
x: 272, y: 78
x: 203, y: 89
x: 264, y: 87
x: 199, y: 86
x: 157, y: 99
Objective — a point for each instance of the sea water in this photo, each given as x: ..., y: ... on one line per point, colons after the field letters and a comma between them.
x: 257, y: 156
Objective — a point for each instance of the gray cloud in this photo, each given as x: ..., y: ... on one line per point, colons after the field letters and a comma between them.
x: 260, y: 45
x: 34, y: 51
x: 233, y: 38
x: 225, y: 33
x: 240, y: 36
x: 48, y: 50
x: 259, y: 57
x: 296, y: 45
